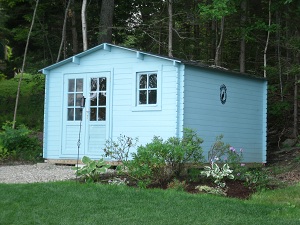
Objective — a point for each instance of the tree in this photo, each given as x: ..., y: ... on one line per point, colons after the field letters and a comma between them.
x: 217, y: 11
x: 84, y: 26
x: 106, y: 21
x: 63, y: 36
x: 23, y: 65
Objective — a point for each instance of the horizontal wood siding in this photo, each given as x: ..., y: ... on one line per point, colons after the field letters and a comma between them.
x: 242, y: 119
x: 125, y: 120
x: 144, y: 124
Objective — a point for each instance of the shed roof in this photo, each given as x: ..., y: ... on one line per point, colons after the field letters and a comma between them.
x: 140, y: 54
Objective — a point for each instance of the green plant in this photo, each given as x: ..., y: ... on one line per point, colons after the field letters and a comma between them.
x: 119, y: 150
x: 224, y: 153
x: 218, y: 174
x: 161, y: 160
x: 20, y: 142
x: 177, y: 185
x: 211, y: 190
x: 4, y: 153
x: 118, y: 181
x: 257, y: 177
x: 91, y: 170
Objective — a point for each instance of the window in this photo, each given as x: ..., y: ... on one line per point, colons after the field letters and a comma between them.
x: 146, y: 88
x: 98, y: 99
x: 75, y: 94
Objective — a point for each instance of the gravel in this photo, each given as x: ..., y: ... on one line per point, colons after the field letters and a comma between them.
x: 41, y: 172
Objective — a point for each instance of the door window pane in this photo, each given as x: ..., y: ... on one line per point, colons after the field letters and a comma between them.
x: 93, y: 114
x: 79, y: 85
x: 74, y: 95
x: 98, y: 99
x: 71, y: 85
x: 101, y: 114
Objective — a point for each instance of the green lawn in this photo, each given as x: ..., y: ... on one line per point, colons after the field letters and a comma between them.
x: 74, y: 203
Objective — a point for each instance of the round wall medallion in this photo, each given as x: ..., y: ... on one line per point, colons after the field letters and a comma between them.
x: 223, y: 94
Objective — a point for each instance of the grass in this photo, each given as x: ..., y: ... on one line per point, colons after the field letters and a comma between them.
x: 74, y: 203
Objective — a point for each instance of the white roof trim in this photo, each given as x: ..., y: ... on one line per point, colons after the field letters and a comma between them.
x: 107, y: 47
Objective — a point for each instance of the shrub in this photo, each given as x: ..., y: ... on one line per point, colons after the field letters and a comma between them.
x: 91, y: 170
x: 20, y: 142
x: 177, y: 185
x: 119, y: 150
x: 160, y: 160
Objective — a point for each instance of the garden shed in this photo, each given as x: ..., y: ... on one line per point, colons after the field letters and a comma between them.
x: 142, y: 95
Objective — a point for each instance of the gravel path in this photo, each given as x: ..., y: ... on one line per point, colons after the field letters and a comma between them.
x: 41, y: 172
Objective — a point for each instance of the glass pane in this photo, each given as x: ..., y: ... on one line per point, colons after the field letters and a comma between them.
x: 78, y: 99
x: 93, y: 99
x: 143, y: 81
x: 152, y: 97
x: 71, y: 85
x: 78, y: 113
x: 102, y: 84
x: 70, y: 114
x: 143, y: 97
x: 70, y: 99
x: 101, y: 116
x: 94, y: 84
x: 102, y: 98
x: 153, y: 81
x: 79, y: 85
x: 93, y: 114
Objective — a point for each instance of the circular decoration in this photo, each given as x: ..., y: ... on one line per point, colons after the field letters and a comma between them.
x: 223, y: 94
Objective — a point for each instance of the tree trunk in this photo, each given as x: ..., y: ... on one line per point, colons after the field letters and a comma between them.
x: 74, y: 31
x: 279, y: 54
x: 170, y: 45
x: 106, y: 21
x: 243, y: 44
x: 218, y: 49
x: 267, y: 42
x: 63, y: 36
x: 84, y: 26
x: 295, y: 127
x: 23, y: 65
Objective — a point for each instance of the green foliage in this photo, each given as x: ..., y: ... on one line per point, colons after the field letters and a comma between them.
x: 160, y: 160
x: 217, y: 9
x: 92, y: 169
x: 257, y: 177
x: 177, y: 185
x: 20, y: 142
x: 211, y: 190
x: 31, y: 100
x: 4, y: 154
x: 218, y: 174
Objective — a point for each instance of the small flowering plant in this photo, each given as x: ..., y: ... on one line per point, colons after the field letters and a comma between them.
x: 218, y: 173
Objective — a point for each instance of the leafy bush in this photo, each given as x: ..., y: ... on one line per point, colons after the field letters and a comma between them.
x: 177, y: 185
x: 224, y: 153
x: 119, y: 150
x: 20, y: 142
x: 159, y: 161
x: 91, y: 170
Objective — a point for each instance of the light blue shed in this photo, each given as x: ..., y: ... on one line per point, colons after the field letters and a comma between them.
x: 138, y: 94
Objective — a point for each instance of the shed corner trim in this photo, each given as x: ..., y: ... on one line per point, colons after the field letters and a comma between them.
x: 139, y: 55
x: 76, y: 60
x: 106, y: 47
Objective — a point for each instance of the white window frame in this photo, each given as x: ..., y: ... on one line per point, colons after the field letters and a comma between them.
x: 146, y: 107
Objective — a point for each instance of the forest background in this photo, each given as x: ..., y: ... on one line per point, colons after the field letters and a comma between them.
x: 257, y: 37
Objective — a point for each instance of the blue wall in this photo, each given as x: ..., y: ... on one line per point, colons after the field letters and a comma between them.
x: 242, y: 119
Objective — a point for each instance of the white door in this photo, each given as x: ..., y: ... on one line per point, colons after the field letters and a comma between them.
x: 85, y: 127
